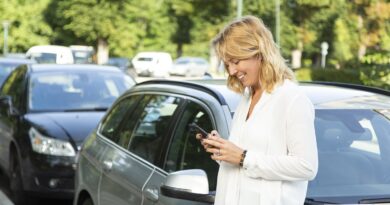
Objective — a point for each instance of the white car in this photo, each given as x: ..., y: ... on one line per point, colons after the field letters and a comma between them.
x: 189, y: 66
x: 51, y: 54
x: 154, y: 64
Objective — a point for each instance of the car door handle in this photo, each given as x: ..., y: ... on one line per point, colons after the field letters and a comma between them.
x: 151, y: 194
x: 107, y: 166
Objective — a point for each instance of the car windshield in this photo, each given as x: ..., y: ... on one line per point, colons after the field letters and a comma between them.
x: 354, y: 154
x: 119, y: 62
x: 81, y: 57
x: 44, y: 57
x: 75, y: 90
x: 182, y: 61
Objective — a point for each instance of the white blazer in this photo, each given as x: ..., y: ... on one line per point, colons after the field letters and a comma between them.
x: 279, y: 137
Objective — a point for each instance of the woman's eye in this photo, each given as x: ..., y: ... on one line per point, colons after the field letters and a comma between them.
x: 236, y: 62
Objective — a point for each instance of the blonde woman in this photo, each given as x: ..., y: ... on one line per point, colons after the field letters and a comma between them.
x: 271, y: 152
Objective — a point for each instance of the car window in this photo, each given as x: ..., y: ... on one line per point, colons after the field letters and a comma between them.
x: 44, y: 57
x: 353, y: 152
x: 14, y: 86
x: 113, y: 119
x: 185, y: 151
x: 145, y: 131
x: 5, y: 70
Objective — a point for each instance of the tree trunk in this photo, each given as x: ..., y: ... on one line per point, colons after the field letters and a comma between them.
x: 362, y: 44
x: 102, y: 51
x: 179, y: 50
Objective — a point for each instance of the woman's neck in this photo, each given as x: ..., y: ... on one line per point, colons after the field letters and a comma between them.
x: 256, y: 90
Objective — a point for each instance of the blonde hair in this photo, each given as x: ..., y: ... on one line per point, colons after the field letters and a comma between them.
x: 248, y: 37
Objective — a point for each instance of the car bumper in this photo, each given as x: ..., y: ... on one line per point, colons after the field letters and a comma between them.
x: 49, y: 176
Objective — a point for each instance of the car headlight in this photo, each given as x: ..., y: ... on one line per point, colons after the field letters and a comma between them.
x: 50, y: 146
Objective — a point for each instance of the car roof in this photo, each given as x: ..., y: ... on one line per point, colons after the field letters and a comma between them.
x: 56, y: 67
x: 324, y: 95
x: 16, y: 60
x: 48, y: 49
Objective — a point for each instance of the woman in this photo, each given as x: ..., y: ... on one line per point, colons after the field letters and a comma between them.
x: 271, y: 152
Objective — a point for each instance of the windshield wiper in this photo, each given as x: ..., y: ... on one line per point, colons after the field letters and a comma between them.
x: 374, y: 200
x: 311, y: 201
x: 87, y: 109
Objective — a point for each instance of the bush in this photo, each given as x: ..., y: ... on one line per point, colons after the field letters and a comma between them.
x: 373, y: 76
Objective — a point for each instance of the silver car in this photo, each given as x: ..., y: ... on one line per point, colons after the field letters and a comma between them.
x: 144, y: 150
x: 190, y: 66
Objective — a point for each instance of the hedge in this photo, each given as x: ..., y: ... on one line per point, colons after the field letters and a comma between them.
x: 374, y: 76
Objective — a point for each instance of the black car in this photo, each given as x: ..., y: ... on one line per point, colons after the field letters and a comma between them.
x: 46, y: 111
x: 145, y: 152
x: 8, y: 64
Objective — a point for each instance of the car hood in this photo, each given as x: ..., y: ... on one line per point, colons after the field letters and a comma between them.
x: 74, y: 126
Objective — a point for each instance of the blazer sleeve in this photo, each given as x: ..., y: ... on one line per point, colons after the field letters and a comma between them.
x: 301, y: 161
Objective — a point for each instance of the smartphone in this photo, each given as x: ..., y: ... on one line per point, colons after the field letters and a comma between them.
x: 195, y: 128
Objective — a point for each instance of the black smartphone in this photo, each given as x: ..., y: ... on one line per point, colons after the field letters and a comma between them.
x: 195, y: 128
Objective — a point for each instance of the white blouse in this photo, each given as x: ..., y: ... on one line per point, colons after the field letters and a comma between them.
x: 281, y: 149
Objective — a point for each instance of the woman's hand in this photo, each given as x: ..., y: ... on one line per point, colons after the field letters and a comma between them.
x: 222, y: 150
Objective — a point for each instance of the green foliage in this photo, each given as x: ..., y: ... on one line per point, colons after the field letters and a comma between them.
x: 342, y: 43
x: 373, y: 76
x: 27, y: 26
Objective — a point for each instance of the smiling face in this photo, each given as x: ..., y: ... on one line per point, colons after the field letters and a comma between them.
x: 246, y: 71
x: 251, y: 56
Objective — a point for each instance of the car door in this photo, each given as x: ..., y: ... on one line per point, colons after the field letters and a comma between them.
x: 184, y: 152
x: 14, y: 87
x: 139, y: 145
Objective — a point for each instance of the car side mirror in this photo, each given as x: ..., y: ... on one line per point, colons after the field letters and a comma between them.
x: 189, y: 184
x: 6, y: 101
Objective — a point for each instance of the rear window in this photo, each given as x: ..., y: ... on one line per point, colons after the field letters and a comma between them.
x: 44, y: 57
x: 145, y: 59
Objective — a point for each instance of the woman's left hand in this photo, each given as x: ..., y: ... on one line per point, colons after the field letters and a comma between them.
x: 223, y: 150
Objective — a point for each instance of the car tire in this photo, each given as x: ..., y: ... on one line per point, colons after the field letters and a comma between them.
x: 87, y: 201
x: 18, y: 194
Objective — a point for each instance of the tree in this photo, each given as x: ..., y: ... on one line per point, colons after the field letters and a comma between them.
x: 123, y: 27
x: 27, y: 26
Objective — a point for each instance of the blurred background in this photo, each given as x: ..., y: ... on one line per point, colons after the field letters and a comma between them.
x: 327, y: 40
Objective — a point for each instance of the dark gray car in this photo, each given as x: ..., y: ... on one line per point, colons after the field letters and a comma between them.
x: 145, y: 152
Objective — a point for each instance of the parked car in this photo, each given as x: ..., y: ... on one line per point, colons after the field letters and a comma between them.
x: 9, y: 64
x: 82, y: 54
x: 124, y: 64
x: 189, y: 66
x: 46, y: 112
x: 154, y: 64
x: 50, y: 54
x: 145, y: 152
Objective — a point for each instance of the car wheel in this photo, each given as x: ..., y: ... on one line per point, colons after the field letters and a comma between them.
x: 18, y: 195
x: 87, y: 201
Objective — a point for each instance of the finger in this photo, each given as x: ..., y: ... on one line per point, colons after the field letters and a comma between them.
x: 216, y: 157
x: 214, y: 133
x: 213, y: 150
x: 212, y: 142
x: 199, y: 136
x: 217, y: 139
